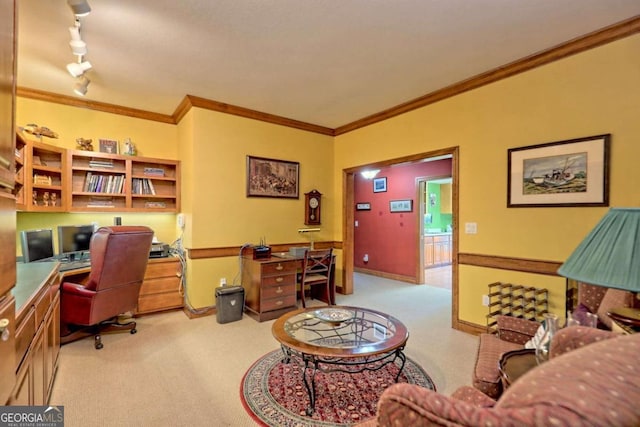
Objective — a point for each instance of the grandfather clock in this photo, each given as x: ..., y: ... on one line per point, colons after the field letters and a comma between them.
x: 312, y: 207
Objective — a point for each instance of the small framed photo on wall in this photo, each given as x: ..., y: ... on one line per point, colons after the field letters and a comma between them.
x: 380, y: 185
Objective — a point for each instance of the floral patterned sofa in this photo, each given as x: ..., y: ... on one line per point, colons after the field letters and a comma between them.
x: 513, y: 333
x: 591, y: 379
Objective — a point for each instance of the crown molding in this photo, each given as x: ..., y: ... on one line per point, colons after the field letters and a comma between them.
x: 41, y: 95
x: 589, y: 41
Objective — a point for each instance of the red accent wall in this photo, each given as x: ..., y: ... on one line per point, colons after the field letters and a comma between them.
x: 390, y: 238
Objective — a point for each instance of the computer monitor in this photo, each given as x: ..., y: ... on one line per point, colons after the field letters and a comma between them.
x: 36, y: 244
x: 74, y: 239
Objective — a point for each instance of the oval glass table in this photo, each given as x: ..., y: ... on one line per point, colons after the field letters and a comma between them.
x: 340, y: 338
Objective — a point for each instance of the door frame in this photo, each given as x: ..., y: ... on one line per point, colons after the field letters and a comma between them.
x: 348, y: 203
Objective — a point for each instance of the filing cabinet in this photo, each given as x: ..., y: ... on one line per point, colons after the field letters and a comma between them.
x: 270, y: 287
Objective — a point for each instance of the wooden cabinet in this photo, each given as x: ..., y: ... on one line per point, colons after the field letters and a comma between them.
x: 100, y: 182
x: 20, y: 159
x: 162, y: 286
x: 8, y: 53
x: 37, y: 344
x: 437, y: 250
x: 270, y: 287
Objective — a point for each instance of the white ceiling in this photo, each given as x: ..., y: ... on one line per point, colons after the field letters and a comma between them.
x: 323, y: 62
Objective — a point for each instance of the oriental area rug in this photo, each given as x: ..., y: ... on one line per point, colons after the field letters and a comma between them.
x: 274, y: 394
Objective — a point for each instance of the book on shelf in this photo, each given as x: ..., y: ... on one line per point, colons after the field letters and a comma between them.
x: 153, y: 171
x: 156, y: 205
x: 107, y: 164
x: 101, y: 203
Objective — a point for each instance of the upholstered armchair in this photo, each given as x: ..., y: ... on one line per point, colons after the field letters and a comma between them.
x: 592, y: 378
x: 513, y: 333
x: 119, y: 256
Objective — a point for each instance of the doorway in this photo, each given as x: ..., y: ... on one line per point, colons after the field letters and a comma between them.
x: 349, y: 214
x: 435, y: 196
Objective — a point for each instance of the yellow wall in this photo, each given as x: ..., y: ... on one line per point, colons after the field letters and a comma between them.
x: 220, y: 213
x: 152, y: 139
x: 592, y: 93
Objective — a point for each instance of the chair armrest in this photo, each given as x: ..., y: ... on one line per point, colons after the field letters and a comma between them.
x: 77, y: 290
x: 473, y: 396
x: 410, y: 405
x: 515, y: 329
x: 574, y: 337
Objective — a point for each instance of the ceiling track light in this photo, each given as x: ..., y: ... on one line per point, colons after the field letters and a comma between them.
x: 76, y: 69
x: 78, y: 47
x: 79, y: 7
x: 81, y: 86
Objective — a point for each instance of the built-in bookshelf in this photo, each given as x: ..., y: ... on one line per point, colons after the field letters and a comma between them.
x: 20, y: 156
x: 108, y: 182
x: 39, y: 175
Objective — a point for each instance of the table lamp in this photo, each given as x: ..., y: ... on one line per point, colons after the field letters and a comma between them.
x: 610, y: 255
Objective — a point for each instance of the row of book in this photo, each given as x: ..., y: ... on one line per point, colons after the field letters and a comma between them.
x: 97, y: 163
x: 96, y: 183
x: 153, y: 171
x: 142, y: 186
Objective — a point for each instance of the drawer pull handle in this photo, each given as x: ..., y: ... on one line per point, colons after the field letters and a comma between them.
x: 279, y: 267
x: 279, y: 279
x: 279, y: 302
x: 279, y: 290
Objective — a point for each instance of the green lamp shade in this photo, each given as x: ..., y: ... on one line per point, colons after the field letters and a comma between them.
x: 610, y: 254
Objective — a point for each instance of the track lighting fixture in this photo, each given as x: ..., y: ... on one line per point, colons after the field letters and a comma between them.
x: 81, y: 86
x: 76, y: 69
x: 78, y: 47
x: 79, y: 7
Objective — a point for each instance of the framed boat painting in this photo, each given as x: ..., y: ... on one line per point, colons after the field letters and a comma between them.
x: 564, y: 173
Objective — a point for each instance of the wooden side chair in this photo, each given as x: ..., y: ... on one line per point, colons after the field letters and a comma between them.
x: 316, y: 272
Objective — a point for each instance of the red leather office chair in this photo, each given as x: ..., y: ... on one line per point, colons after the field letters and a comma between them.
x: 119, y: 257
x: 316, y: 271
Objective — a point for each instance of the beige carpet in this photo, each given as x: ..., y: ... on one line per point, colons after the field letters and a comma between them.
x: 181, y: 372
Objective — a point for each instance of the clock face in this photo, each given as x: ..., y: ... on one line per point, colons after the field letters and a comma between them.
x: 313, y: 203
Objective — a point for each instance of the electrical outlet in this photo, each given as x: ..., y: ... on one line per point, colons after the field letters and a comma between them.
x: 180, y: 220
x: 223, y: 281
x: 485, y: 300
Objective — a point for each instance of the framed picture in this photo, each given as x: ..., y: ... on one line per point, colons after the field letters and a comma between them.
x: 401, y: 205
x: 563, y: 173
x: 108, y: 146
x: 379, y: 185
x: 272, y: 178
x: 363, y: 206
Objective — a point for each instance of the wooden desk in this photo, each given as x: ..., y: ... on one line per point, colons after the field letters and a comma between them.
x: 37, y: 296
x: 161, y: 289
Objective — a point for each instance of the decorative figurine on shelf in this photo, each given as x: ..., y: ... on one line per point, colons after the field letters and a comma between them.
x: 34, y: 197
x: 129, y: 148
x: 84, y: 144
x: 39, y: 131
x: 45, y: 198
x: 54, y: 199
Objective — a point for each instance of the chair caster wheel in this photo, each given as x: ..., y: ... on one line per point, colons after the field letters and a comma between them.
x: 134, y: 331
x: 97, y: 343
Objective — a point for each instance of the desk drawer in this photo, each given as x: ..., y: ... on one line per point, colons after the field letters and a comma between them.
x: 277, y: 303
x: 164, y: 284
x: 169, y: 268
x: 42, y: 304
x: 281, y: 291
x: 278, y: 268
x: 282, y: 279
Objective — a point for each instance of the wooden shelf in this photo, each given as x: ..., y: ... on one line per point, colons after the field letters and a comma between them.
x: 122, y: 188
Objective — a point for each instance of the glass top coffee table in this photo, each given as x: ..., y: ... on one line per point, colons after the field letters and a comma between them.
x: 340, y: 338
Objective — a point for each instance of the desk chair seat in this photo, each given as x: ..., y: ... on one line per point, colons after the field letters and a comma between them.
x: 316, y: 271
x: 119, y: 257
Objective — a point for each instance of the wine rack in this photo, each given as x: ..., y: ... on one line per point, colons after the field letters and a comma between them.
x: 517, y: 301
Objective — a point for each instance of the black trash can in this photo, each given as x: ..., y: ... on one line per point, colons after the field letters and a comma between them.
x: 229, y: 303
